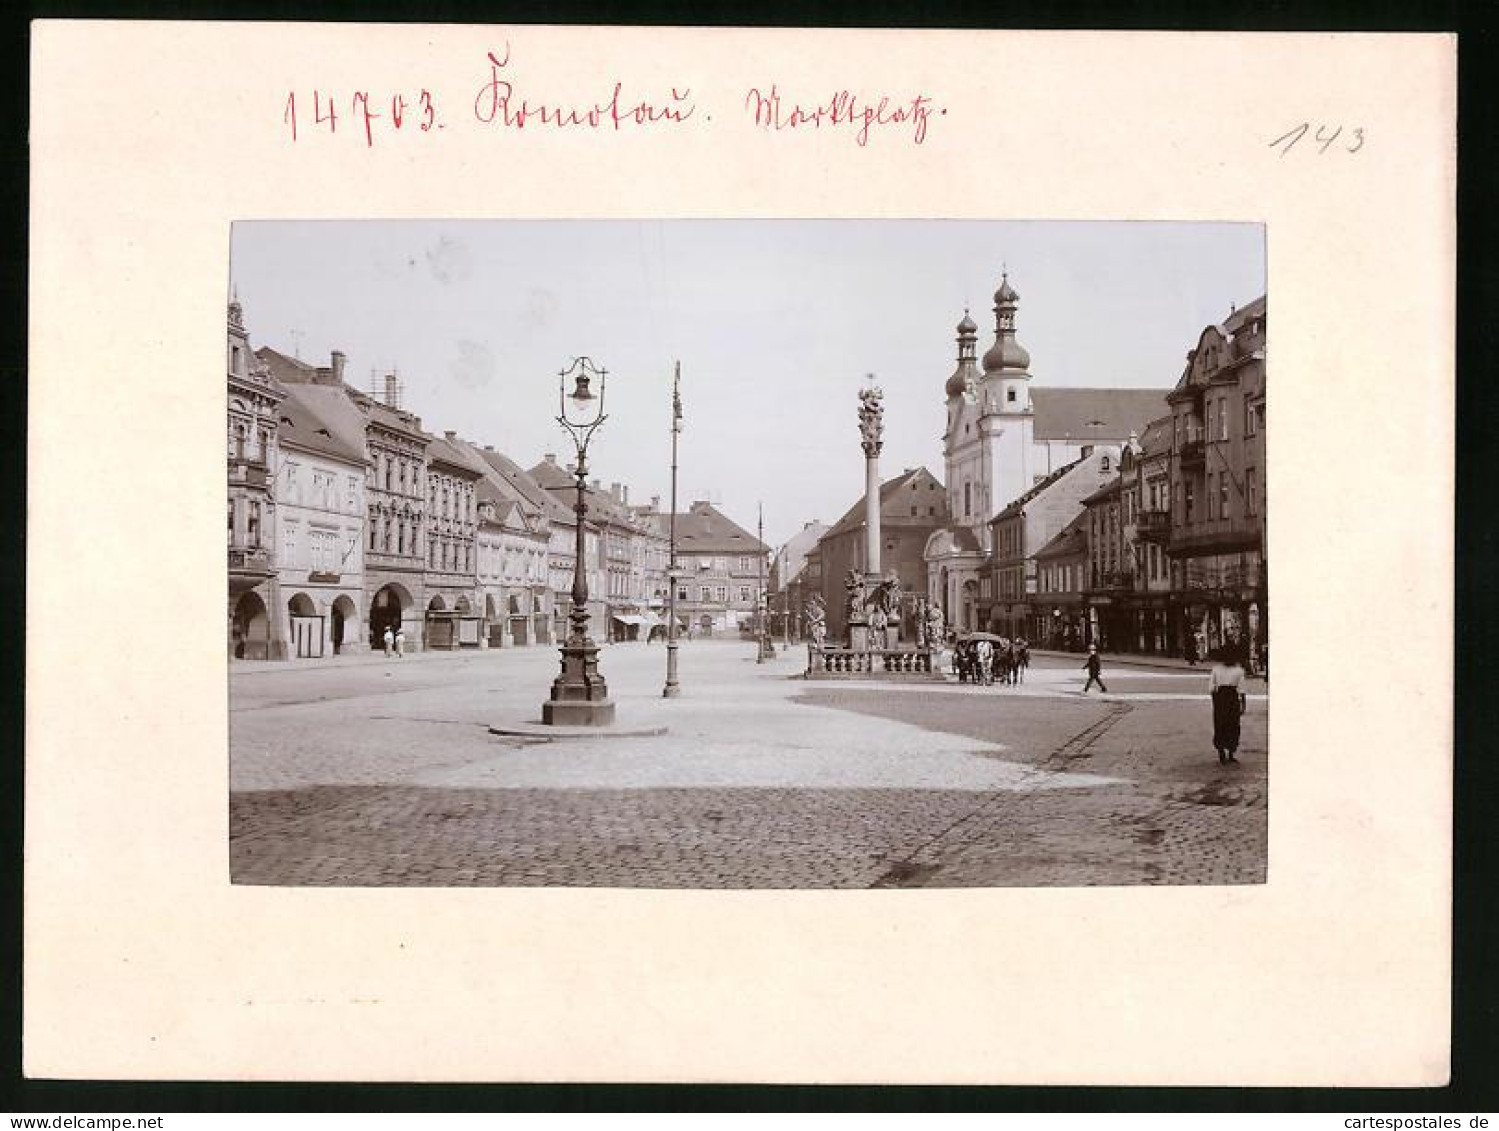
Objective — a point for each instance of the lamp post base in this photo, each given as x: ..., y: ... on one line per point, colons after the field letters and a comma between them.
x: 580, y: 697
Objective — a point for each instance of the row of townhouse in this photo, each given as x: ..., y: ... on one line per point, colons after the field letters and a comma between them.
x: 1162, y: 551
x: 347, y: 518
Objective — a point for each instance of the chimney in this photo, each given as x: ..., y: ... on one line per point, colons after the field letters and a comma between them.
x: 596, y: 485
x: 625, y: 494
x: 451, y: 435
x: 338, y: 367
x: 571, y: 466
x: 655, y: 502
x: 489, y: 447
x: 550, y: 457
x: 614, y: 493
x: 392, y: 391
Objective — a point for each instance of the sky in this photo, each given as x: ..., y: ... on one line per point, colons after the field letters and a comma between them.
x: 777, y: 324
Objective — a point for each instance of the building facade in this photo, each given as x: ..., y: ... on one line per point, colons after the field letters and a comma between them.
x: 719, y: 570
x: 1062, y: 571
x: 319, y: 516
x: 257, y: 627
x: 1008, y: 595
x: 453, y: 613
x: 1217, y: 535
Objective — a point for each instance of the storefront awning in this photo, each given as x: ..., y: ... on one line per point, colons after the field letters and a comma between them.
x: 630, y: 618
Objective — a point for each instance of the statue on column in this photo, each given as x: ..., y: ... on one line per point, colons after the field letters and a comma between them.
x: 871, y: 419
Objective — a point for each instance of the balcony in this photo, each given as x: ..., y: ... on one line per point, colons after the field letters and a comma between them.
x: 1153, y: 526
x: 1193, y: 450
x: 247, y: 472
x: 1217, y: 537
x: 256, y: 561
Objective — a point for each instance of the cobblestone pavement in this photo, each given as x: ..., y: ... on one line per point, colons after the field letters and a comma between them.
x: 385, y: 774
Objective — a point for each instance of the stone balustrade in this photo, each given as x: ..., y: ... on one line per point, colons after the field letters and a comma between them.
x: 874, y: 662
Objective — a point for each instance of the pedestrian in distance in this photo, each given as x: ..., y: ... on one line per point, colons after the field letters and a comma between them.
x: 390, y: 641
x: 1226, y: 690
x: 1094, y: 666
x: 400, y: 644
x: 1191, y: 651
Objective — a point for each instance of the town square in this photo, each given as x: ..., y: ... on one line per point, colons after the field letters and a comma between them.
x: 1029, y: 650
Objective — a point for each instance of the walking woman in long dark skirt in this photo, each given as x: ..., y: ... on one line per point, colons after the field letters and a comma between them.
x: 1226, y: 687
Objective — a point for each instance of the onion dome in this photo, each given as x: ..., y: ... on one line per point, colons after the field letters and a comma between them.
x: 966, y: 373
x: 1006, y: 353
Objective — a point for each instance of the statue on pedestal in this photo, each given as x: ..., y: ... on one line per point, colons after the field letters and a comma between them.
x: 935, y: 627
x: 853, y: 581
x: 817, y: 621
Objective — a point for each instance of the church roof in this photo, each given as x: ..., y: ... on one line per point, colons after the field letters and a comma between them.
x: 1086, y: 416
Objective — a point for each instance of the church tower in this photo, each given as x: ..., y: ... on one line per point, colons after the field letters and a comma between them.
x: 990, y: 421
x: 1008, y: 420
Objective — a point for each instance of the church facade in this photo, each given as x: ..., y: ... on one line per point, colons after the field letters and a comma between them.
x: 1003, y: 437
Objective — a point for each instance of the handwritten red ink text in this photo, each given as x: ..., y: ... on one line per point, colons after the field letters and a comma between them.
x: 770, y: 111
x: 497, y: 102
x: 364, y: 112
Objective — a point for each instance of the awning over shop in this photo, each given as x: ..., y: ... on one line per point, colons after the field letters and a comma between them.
x: 630, y: 618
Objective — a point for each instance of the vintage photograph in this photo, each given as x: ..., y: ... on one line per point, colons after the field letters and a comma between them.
x: 725, y: 554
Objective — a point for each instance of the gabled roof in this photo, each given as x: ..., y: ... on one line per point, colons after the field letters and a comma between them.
x: 1243, y: 315
x: 323, y: 421
x: 331, y: 407
x: 853, y: 518
x: 511, y: 481
x: 1071, y: 540
x: 1156, y: 438
x: 601, y: 505
x: 442, y: 450
x: 1087, y: 416
x: 706, y: 529
x: 1019, y: 504
x: 288, y: 370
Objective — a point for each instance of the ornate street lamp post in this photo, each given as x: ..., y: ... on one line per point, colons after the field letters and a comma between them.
x: 672, y: 688
x: 580, y: 697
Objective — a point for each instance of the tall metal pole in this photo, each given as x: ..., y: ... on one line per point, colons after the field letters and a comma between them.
x: 761, y: 597
x: 672, y: 688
